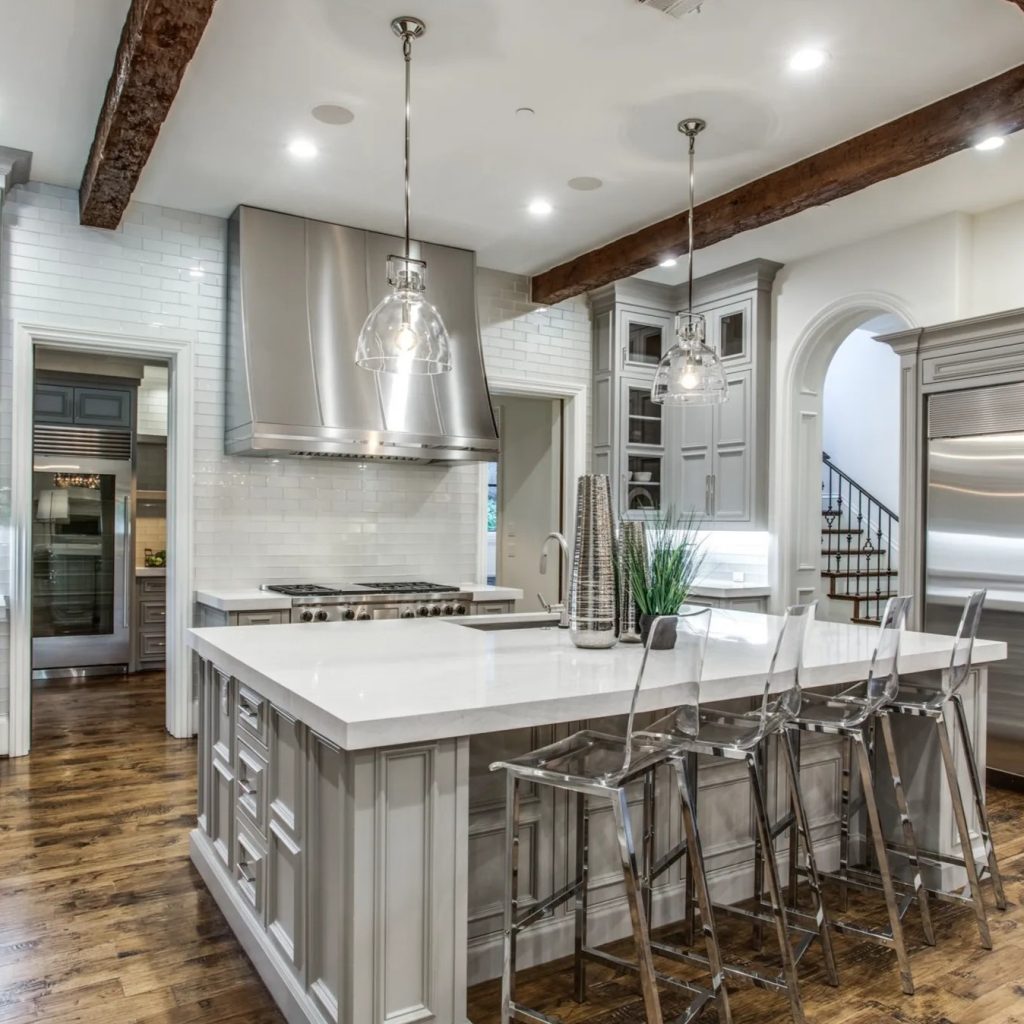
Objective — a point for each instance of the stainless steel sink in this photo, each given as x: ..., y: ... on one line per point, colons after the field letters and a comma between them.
x: 494, y: 626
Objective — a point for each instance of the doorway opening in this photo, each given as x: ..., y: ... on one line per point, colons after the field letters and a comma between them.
x: 860, y: 481
x: 840, y: 399
x: 98, y: 515
x: 526, y: 498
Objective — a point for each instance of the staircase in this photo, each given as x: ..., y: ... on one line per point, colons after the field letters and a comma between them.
x: 857, y: 534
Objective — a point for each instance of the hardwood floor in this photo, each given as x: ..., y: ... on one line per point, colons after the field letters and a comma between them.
x: 103, y: 918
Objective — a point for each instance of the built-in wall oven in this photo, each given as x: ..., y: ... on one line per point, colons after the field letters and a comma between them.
x: 81, y: 561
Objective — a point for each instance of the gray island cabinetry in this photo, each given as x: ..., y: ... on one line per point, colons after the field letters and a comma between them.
x: 350, y: 831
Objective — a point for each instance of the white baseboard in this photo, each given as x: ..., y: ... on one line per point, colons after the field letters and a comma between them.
x: 5, y: 735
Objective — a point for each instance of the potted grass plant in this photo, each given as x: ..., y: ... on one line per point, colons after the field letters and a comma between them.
x: 662, y: 570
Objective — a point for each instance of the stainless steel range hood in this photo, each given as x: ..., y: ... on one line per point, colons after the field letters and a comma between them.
x: 298, y: 293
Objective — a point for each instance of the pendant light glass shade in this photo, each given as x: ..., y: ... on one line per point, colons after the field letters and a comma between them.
x: 404, y: 333
x: 690, y: 372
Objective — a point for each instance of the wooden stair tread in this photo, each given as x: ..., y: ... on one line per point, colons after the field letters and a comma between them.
x: 866, y: 622
x: 853, y: 531
x: 852, y: 552
x: 857, y: 598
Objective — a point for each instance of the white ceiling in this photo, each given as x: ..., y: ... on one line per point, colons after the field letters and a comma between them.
x: 609, y: 79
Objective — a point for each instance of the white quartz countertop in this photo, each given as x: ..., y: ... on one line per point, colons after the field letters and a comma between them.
x: 241, y: 599
x: 407, y: 681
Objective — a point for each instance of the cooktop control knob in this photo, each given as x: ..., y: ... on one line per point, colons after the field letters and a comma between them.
x: 306, y: 616
x: 408, y: 613
x: 348, y: 615
x: 435, y: 609
x: 423, y: 611
x: 449, y: 609
x: 322, y: 616
x: 363, y: 614
x: 461, y: 609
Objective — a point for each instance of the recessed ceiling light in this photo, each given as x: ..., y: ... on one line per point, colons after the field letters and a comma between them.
x: 670, y: 262
x: 302, y: 149
x: 992, y: 142
x: 807, y: 60
x: 585, y: 183
x: 540, y: 207
x: 331, y: 113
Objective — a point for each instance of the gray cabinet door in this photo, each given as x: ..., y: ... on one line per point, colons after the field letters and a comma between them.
x: 222, y: 776
x: 103, y: 407
x: 54, y: 403
x: 732, y: 477
x: 285, y: 836
x: 696, y: 461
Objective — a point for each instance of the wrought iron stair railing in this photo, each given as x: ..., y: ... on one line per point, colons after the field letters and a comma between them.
x: 857, y: 536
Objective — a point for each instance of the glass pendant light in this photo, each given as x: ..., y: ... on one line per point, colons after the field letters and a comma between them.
x: 690, y: 372
x: 405, y: 334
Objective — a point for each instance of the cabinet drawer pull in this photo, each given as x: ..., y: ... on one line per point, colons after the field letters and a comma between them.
x: 250, y: 709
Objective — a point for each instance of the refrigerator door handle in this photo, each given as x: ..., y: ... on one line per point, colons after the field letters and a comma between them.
x: 127, y: 563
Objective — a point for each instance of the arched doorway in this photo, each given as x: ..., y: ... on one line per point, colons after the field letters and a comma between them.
x: 796, y: 484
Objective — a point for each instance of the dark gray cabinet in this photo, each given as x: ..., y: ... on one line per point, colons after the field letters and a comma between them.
x: 83, y: 405
x: 150, y: 639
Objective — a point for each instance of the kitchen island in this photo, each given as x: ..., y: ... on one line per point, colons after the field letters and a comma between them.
x: 352, y: 835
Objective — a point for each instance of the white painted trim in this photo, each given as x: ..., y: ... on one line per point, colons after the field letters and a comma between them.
x: 794, y: 484
x: 575, y: 397
x: 4, y: 732
x: 163, y: 345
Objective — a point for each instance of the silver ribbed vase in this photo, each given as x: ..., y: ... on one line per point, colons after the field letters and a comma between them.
x: 592, y: 587
x: 631, y: 533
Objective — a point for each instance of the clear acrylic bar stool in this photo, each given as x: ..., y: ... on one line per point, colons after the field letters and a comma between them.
x: 853, y: 715
x: 597, y: 766
x: 937, y: 699
x: 717, y: 732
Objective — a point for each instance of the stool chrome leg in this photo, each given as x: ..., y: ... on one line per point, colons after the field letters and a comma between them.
x: 882, y: 860
x: 583, y: 880
x: 689, y: 922
x: 775, y: 892
x: 508, y: 977
x: 846, y: 749
x: 966, y: 848
x: 641, y: 936
x: 792, y: 738
x: 802, y: 828
x: 907, y: 826
x: 979, y: 800
x: 647, y: 844
x: 760, y: 852
x: 695, y: 855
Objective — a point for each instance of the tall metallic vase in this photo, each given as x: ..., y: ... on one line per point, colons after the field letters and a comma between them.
x: 592, y: 588
x: 631, y: 534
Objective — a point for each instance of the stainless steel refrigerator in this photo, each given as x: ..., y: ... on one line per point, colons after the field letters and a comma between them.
x: 975, y: 538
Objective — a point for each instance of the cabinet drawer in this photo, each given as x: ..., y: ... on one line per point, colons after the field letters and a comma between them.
x: 251, y: 786
x: 152, y: 613
x: 55, y: 403
x: 103, y: 407
x: 252, y: 715
x: 491, y: 608
x: 151, y: 586
x: 250, y: 871
x: 267, y: 618
x: 152, y: 647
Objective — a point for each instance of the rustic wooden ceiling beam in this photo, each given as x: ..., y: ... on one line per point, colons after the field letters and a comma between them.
x: 1019, y: 3
x: 158, y: 40
x: 909, y: 142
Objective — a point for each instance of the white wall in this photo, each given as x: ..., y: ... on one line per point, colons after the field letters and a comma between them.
x: 997, y: 260
x: 256, y: 520
x: 861, y: 415
x: 152, y: 401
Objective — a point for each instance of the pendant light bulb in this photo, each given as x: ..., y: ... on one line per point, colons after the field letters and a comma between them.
x: 690, y: 372
x: 405, y: 333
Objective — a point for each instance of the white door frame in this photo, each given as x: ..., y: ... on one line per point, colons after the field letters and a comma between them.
x: 574, y: 397
x: 178, y: 353
x: 796, y: 473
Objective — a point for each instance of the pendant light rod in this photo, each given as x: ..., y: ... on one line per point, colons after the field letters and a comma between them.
x: 691, y: 127
x: 408, y: 29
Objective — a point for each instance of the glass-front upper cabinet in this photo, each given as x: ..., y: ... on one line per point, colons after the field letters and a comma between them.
x: 643, y: 451
x: 644, y: 337
x: 729, y: 327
